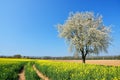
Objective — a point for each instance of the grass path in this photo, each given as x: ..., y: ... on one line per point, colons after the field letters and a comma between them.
x: 40, y: 74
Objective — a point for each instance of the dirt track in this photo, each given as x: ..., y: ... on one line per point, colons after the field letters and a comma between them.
x: 22, y: 75
x: 40, y: 74
x: 99, y: 62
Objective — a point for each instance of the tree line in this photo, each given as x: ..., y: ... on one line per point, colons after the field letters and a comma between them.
x: 65, y: 57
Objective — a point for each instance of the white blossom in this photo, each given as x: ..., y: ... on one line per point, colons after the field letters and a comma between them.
x: 85, y: 33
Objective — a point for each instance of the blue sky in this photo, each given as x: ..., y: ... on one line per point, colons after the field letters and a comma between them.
x: 27, y: 27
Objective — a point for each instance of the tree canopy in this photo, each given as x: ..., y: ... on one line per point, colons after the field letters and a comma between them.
x: 85, y: 33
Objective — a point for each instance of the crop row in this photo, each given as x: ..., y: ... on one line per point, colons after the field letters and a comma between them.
x: 76, y: 71
x: 30, y: 73
x: 10, y: 70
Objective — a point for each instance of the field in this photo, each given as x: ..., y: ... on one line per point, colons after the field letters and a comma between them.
x: 29, y: 69
x: 99, y: 62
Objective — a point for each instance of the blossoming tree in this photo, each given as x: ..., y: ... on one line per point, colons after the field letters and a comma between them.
x: 85, y: 33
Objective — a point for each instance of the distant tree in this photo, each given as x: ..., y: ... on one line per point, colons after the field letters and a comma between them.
x: 17, y: 56
x: 85, y: 33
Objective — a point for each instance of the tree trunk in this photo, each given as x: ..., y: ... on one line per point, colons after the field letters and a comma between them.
x: 83, y: 58
x: 84, y: 55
